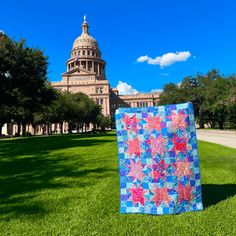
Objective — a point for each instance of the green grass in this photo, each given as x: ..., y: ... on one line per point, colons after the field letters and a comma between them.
x: 69, y: 185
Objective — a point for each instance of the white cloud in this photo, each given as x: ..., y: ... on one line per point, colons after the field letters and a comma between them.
x: 143, y: 58
x: 164, y: 74
x: 166, y: 59
x: 125, y: 88
x: 156, y: 91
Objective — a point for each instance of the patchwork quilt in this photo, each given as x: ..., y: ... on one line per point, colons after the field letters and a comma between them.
x: 158, y: 160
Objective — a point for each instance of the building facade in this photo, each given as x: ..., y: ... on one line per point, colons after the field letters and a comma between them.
x: 86, y: 73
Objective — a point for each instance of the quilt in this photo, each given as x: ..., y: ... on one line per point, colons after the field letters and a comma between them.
x: 158, y: 160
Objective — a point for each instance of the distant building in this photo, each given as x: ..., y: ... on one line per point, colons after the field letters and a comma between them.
x: 86, y: 73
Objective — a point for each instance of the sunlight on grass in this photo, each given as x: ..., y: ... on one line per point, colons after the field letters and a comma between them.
x: 69, y: 185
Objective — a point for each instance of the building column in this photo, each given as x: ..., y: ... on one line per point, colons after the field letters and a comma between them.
x: 92, y: 66
x: 98, y: 68
x: 105, y: 105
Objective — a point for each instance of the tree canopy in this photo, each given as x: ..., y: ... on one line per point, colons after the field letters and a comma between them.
x: 23, y: 77
x: 213, y: 96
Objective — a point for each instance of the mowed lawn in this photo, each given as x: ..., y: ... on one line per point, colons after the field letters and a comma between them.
x: 69, y: 185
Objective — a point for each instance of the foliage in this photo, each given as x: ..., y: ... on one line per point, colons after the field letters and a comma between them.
x: 23, y: 76
x: 69, y: 185
x: 213, y: 96
x: 104, y: 122
x: 77, y: 110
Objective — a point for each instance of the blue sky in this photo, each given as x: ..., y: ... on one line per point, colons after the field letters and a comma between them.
x: 126, y: 30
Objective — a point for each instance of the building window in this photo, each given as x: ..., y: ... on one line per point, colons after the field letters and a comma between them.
x: 101, y: 101
x: 83, y: 52
x: 142, y: 104
x: 88, y: 53
x: 99, y: 90
x: 83, y: 64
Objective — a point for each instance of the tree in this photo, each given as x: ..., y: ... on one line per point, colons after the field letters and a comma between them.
x: 231, y: 102
x: 170, y: 94
x: 5, y: 117
x: 213, y: 96
x: 23, y: 74
x: 103, y: 122
x: 77, y: 110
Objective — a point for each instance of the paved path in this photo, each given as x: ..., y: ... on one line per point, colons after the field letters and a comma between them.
x: 226, y: 138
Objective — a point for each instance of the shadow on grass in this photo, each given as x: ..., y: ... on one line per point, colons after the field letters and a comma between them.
x: 215, y: 193
x: 25, y: 146
x: 27, y: 167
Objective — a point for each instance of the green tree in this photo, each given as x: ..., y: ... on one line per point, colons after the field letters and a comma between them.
x: 170, y: 94
x: 77, y: 110
x: 103, y: 122
x: 213, y: 96
x: 231, y: 102
x: 23, y: 74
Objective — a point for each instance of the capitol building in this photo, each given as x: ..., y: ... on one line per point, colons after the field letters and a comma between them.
x: 86, y: 73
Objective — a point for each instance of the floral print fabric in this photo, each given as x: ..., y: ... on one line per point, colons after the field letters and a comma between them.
x: 158, y: 160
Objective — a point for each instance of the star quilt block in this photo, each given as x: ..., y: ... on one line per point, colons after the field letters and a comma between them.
x: 158, y: 160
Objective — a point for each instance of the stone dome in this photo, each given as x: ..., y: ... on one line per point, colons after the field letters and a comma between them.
x: 85, y: 40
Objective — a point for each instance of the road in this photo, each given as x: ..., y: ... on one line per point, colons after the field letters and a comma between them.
x: 226, y: 138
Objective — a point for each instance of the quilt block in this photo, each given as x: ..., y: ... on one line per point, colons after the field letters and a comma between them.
x: 158, y: 160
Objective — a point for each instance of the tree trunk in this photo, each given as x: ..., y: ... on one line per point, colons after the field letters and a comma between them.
x: 70, y: 127
x: 77, y: 127
x: 48, y: 129
x: 221, y: 125
x: 82, y: 126
x: 61, y: 127
x: 212, y: 124
x: 44, y: 129
x: 201, y: 119
x: 34, y: 129
x: 1, y: 125
x: 23, y: 130
x: 221, y: 120
x: 18, y: 129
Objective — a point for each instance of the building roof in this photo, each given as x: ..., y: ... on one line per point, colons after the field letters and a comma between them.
x: 85, y: 39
